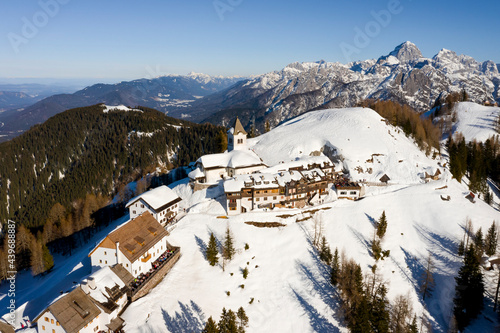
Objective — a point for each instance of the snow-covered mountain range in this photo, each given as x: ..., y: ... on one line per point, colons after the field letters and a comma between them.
x: 404, y: 75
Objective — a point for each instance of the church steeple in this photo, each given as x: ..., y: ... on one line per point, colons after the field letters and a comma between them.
x: 236, y: 136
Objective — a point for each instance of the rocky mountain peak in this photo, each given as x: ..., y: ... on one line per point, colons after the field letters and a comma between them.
x: 406, y: 52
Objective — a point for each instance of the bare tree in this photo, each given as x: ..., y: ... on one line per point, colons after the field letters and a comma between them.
x: 401, y: 314
x: 427, y: 282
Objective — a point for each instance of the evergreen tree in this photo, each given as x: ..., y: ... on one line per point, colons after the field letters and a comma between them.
x: 48, y: 260
x: 376, y: 249
x: 325, y: 254
x: 228, y: 249
x: 491, y: 241
x: 461, y: 248
x: 382, y: 225
x: 379, y: 312
x: 413, y: 327
x: 210, y: 326
x: 479, y: 243
x: 468, y: 301
x: 267, y: 126
x: 361, y: 320
x: 212, y: 251
x: 335, y: 274
x: 243, y: 320
x: 227, y: 322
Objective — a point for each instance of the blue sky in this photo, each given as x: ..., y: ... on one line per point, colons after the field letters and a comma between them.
x: 122, y: 39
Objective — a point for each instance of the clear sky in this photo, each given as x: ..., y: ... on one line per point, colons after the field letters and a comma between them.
x: 129, y: 39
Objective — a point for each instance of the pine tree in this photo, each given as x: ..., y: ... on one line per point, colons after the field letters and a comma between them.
x: 48, y: 260
x: 212, y: 251
x: 379, y: 312
x: 468, y: 301
x: 227, y: 322
x: 243, y: 320
x: 36, y: 258
x: 228, y: 249
x: 376, y: 249
x: 413, y: 327
x: 479, y: 243
x: 335, y: 274
x: 325, y: 254
x: 382, y: 226
x: 461, y: 248
x: 210, y: 326
x: 491, y: 241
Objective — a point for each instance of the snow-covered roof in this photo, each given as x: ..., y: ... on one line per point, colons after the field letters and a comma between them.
x: 157, y: 197
x: 233, y: 159
x: 196, y: 173
x: 104, y: 278
x: 303, y: 161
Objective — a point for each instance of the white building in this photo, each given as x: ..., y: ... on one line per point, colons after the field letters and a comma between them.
x: 92, y: 307
x: 294, y: 184
x: 238, y: 160
x: 236, y: 137
x: 161, y: 202
x: 135, y: 245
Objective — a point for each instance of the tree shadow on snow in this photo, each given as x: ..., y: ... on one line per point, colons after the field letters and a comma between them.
x: 318, y: 322
x: 202, y: 246
x: 362, y: 240
x: 189, y: 319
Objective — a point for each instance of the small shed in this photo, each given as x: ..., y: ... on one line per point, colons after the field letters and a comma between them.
x: 384, y: 178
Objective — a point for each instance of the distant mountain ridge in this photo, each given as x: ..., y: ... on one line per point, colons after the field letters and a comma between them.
x: 403, y: 75
x: 167, y: 93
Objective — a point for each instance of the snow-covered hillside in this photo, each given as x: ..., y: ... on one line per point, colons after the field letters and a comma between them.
x: 359, y: 135
x: 287, y: 288
x: 476, y: 121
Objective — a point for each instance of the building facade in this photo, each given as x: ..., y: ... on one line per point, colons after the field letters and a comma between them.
x: 161, y: 202
x: 135, y: 245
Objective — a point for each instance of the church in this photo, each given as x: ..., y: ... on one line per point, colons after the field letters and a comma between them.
x: 237, y: 160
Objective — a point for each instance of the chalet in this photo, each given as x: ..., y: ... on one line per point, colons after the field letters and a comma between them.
x: 296, y: 186
x: 135, y: 245
x: 94, y: 306
x: 432, y: 174
x: 237, y: 160
x: 161, y: 202
x: 348, y: 190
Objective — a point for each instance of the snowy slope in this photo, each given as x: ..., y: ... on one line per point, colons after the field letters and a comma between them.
x: 356, y: 134
x: 476, y: 121
x: 290, y: 286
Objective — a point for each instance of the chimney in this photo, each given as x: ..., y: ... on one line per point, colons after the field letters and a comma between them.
x: 85, y: 287
x: 91, y: 283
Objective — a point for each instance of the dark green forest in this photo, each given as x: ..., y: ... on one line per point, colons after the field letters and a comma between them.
x: 85, y: 151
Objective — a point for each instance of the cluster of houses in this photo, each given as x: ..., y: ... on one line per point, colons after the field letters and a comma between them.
x: 250, y: 184
x: 127, y: 263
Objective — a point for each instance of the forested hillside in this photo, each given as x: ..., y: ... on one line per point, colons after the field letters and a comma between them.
x: 87, y: 151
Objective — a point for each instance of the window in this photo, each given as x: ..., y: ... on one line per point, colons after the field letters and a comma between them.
x: 353, y: 193
x: 135, y: 271
x: 106, y: 262
x: 96, y: 328
x: 343, y: 193
x: 46, y: 319
x: 142, y: 206
x: 57, y: 323
x: 274, y: 198
x: 52, y: 321
x: 232, y: 208
x: 100, y: 261
x: 126, y: 265
x: 257, y: 199
x: 133, y: 212
x: 265, y: 198
x: 105, y: 253
x: 53, y: 331
x: 43, y: 328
